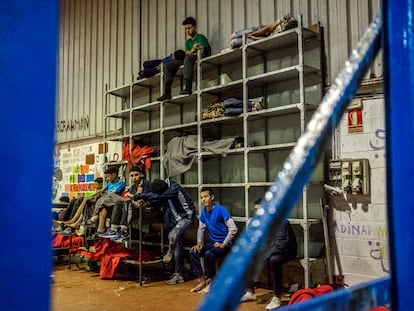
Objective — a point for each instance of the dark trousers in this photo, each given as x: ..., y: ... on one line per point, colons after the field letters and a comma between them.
x: 210, y: 254
x: 171, y: 68
x: 276, y: 262
x: 119, y: 214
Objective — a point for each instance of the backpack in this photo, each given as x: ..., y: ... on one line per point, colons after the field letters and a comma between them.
x: 308, y: 293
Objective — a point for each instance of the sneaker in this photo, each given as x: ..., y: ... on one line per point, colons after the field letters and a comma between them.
x: 120, y: 236
x: 274, y: 304
x: 206, y: 289
x: 248, y: 296
x: 201, y: 284
x: 109, y: 234
x: 167, y: 257
x: 67, y: 231
x: 176, y: 278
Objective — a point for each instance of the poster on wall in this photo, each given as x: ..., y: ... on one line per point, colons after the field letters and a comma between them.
x: 77, y: 167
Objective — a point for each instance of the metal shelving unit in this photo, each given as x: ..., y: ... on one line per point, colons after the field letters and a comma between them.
x: 285, y: 70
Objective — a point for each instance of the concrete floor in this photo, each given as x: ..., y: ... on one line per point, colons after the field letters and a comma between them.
x: 77, y: 289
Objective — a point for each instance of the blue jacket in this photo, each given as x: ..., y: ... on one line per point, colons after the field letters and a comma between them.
x: 175, y: 202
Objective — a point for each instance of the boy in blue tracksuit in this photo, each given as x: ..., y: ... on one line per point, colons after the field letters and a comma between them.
x: 178, y: 208
x: 221, y: 230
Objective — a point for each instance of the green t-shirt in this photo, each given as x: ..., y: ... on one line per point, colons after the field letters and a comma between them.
x: 202, y: 41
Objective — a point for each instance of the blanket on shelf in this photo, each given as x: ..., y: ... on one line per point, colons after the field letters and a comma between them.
x: 182, y: 150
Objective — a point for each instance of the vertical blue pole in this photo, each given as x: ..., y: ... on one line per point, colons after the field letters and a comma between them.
x: 399, y: 90
x: 28, y: 56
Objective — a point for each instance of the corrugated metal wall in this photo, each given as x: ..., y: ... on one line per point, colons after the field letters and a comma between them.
x: 103, y: 42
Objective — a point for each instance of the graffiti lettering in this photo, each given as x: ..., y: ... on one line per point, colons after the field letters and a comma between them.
x: 382, y: 232
x: 380, y: 135
x: 354, y: 229
x: 73, y: 125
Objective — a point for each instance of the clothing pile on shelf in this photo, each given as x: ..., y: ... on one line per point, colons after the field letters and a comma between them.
x: 214, y: 110
x: 139, y: 155
x: 231, y: 107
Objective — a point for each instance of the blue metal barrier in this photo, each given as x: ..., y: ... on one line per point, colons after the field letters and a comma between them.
x: 247, y: 256
x: 28, y: 57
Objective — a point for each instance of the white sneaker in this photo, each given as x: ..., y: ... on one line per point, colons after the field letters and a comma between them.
x: 206, y: 289
x: 274, y: 304
x: 248, y: 296
x: 201, y: 284
x: 176, y: 278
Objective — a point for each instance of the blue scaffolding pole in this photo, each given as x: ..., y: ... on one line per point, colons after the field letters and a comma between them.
x: 399, y: 89
x: 245, y: 259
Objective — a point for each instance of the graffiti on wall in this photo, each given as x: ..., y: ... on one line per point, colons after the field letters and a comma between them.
x: 379, y: 252
x: 353, y: 229
x: 377, y: 240
x: 379, y: 144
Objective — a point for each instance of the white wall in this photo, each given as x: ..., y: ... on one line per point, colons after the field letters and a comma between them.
x: 361, y: 233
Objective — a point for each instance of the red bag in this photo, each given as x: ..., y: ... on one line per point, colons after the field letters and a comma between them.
x: 308, y: 293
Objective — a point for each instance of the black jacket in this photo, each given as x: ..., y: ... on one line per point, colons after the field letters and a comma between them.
x: 285, y: 240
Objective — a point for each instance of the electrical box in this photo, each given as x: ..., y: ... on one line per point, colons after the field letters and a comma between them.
x: 352, y: 176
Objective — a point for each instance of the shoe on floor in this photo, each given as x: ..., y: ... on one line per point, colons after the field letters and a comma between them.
x: 201, y: 284
x: 167, y: 257
x: 206, y: 289
x: 248, y: 296
x: 274, y: 304
x: 176, y: 278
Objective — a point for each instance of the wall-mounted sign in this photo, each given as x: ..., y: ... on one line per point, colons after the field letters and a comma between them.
x: 355, y: 124
x: 73, y: 125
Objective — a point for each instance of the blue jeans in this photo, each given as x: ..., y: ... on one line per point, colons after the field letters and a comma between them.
x: 210, y: 254
x: 233, y: 103
x: 240, y: 33
x: 176, y: 241
x: 237, y: 36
